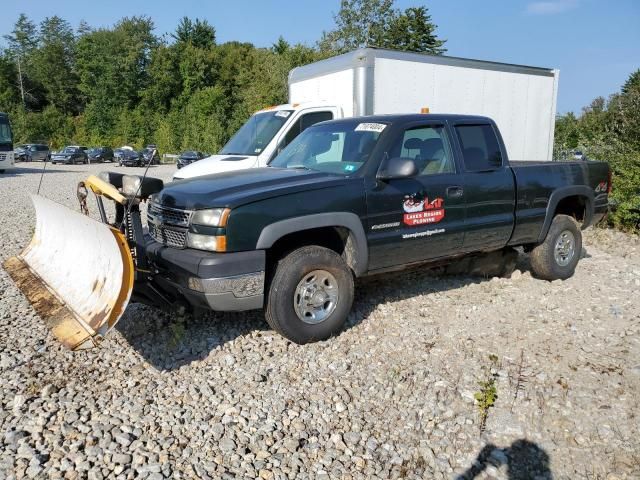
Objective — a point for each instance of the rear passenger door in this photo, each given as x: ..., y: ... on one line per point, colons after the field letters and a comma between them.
x: 489, y: 186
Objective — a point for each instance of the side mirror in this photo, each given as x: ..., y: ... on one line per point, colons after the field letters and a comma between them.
x: 397, y: 167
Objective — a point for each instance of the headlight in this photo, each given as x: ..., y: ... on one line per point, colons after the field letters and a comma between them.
x: 207, y: 242
x: 216, y: 217
x: 131, y: 185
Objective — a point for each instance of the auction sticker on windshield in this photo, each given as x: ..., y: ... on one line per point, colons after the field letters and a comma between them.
x: 370, y: 127
x: 283, y: 113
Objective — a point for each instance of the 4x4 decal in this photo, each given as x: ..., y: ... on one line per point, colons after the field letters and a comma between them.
x: 420, y: 211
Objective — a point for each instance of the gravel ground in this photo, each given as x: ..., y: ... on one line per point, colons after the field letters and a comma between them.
x: 391, y: 397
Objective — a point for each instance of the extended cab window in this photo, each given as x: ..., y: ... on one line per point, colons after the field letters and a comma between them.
x: 428, y: 147
x: 304, y: 122
x: 480, y: 149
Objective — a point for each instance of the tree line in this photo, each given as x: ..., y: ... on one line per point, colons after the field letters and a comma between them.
x: 183, y: 90
x: 609, y: 130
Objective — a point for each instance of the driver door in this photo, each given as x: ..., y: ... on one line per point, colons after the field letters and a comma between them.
x: 419, y: 218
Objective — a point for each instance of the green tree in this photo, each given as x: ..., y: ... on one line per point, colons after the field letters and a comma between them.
x: 362, y: 23
x: 413, y: 30
x: 22, y: 43
x: 359, y: 23
x: 632, y: 83
x: 199, y: 33
x: 53, y: 64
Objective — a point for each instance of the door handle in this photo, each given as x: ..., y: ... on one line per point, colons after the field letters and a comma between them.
x: 455, y: 192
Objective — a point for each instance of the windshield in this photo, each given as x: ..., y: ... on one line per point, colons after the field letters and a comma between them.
x: 68, y: 150
x: 337, y: 147
x: 255, y: 135
x: 5, y: 131
x: 94, y: 151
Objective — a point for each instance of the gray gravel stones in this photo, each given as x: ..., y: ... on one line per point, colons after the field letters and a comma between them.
x: 222, y: 396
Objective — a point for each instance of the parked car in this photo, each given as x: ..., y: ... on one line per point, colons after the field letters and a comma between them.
x: 189, y: 157
x: 70, y: 155
x: 129, y: 158
x: 100, y: 154
x: 146, y: 154
x: 33, y: 152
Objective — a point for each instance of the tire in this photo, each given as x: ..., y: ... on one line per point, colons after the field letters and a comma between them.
x: 557, y: 256
x: 2, y: 171
x: 308, y: 265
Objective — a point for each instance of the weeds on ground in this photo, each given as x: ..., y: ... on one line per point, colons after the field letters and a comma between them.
x: 177, y: 332
x: 488, y: 394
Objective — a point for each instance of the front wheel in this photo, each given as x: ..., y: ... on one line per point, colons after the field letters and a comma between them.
x: 310, y: 295
x: 557, y: 257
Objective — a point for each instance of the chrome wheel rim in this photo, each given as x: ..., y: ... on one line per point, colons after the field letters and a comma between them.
x: 316, y: 297
x: 565, y: 248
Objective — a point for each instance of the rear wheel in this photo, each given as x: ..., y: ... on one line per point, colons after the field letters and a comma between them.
x: 310, y: 295
x: 557, y: 257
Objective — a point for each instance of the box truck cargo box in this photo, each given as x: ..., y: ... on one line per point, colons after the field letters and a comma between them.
x: 521, y: 99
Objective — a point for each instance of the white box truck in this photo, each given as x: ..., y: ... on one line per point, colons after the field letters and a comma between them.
x: 371, y: 81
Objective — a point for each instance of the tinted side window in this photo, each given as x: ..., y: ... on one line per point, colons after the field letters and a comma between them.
x: 480, y: 149
x: 428, y: 147
x: 305, y: 122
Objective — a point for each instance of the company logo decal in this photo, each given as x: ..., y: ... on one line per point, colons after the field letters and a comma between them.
x: 420, y: 211
x: 602, y: 187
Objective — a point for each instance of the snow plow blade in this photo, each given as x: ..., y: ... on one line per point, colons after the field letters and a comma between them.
x: 77, y: 273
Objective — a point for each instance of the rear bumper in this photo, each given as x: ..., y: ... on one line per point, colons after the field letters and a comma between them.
x: 215, y: 281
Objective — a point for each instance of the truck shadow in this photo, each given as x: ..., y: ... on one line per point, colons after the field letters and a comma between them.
x: 168, y: 342
x: 524, y: 460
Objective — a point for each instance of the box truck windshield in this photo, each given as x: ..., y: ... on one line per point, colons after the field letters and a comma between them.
x: 256, y: 134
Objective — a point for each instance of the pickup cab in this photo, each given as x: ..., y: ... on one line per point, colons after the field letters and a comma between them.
x: 355, y: 197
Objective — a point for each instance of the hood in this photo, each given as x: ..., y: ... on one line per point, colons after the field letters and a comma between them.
x: 216, y: 164
x: 232, y: 189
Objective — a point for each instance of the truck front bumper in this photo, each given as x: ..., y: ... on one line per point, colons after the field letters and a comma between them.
x: 216, y: 281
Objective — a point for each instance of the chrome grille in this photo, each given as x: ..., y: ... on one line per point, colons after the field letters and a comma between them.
x: 5, y: 156
x: 169, y: 216
x: 167, y: 236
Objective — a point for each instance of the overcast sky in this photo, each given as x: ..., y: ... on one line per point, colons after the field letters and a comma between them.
x: 594, y: 43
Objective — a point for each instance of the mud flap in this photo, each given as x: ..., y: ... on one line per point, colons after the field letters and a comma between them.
x: 77, y: 273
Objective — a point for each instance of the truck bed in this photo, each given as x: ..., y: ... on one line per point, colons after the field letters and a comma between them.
x: 538, y: 183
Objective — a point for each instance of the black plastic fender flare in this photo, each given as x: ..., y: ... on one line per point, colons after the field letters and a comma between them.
x: 272, y: 233
x: 559, y: 195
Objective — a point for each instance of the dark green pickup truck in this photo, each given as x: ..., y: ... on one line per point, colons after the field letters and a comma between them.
x: 354, y: 197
